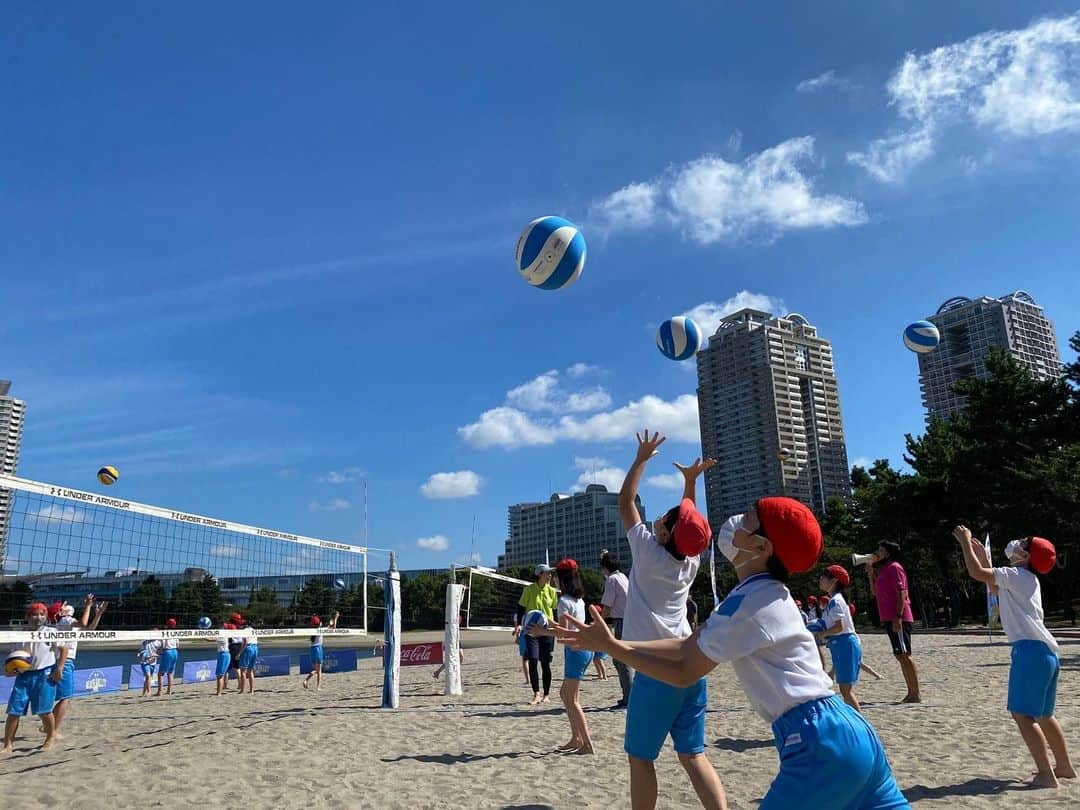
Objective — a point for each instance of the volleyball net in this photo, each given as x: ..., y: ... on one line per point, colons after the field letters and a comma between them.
x: 148, y: 564
x: 491, y: 599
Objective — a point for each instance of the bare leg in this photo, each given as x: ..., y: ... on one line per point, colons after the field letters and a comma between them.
x: 911, y: 677
x: 59, y: 712
x: 50, y: 731
x: 11, y: 725
x: 870, y: 670
x: 1051, y: 729
x: 525, y: 669
x: 642, y: 784
x: 579, y: 725
x: 1036, y: 744
x: 849, y: 696
x: 318, y: 677
x: 251, y: 681
x: 706, y: 782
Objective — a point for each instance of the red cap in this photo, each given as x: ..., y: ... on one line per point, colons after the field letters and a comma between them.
x: 692, y: 530
x: 566, y: 565
x: 840, y: 574
x: 54, y: 611
x: 35, y: 607
x: 170, y: 623
x: 811, y: 600
x: 236, y: 618
x: 793, y: 531
x: 315, y: 621
x: 851, y: 607
x: 228, y: 626
x: 1042, y: 555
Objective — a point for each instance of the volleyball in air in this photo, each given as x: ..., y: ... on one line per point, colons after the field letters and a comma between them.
x: 534, y: 618
x: 921, y: 337
x: 550, y: 253
x: 678, y: 338
x: 339, y: 584
x: 108, y: 475
x: 17, y: 662
x: 205, y: 623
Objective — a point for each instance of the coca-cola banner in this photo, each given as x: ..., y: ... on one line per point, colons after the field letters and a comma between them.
x: 418, y: 655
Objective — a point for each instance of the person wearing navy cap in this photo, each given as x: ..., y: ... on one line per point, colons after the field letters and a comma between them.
x: 830, y: 756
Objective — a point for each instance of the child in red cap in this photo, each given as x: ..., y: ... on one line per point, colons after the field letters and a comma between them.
x: 167, y: 659
x: 1033, y: 675
x: 830, y: 756
x: 317, y: 650
x: 35, y: 689
x: 665, y: 562
x: 837, y: 626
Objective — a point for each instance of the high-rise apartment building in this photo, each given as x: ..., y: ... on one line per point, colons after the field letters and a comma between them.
x: 11, y: 425
x: 769, y: 409
x: 969, y: 329
x: 580, y: 525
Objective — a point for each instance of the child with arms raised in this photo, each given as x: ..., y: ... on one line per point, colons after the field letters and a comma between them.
x: 1033, y: 675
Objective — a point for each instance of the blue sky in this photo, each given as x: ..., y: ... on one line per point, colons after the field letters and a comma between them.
x: 253, y: 256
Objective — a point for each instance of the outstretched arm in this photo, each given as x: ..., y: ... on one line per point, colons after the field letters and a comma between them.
x: 88, y: 603
x: 333, y: 619
x: 690, y: 477
x: 975, y: 568
x: 647, y: 448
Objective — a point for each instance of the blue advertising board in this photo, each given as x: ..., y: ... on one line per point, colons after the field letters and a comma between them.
x: 333, y: 661
x: 200, y: 671
x: 6, y: 685
x: 98, y: 681
x: 269, y: 665
x: 135, y: 677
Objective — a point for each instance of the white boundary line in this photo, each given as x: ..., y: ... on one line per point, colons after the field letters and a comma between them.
x: 55, y: 635
x: 78, y: 496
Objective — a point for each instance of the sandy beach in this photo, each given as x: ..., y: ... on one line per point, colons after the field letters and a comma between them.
x: 286, y: 747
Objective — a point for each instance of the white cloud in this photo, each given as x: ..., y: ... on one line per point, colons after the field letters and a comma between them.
x: 708, y: 315
x: 224, y: 551
x: 508, y: 427
x: 346, y: 476
x: 611, y: 477
x: 863, y: 461
x: 445, y: 485
x: 824, y: 81
x: 543, y: 393
x: 1016, y: 84
x: 581, y: 369
x: 332, y: 505
x: 54, y: 513
x: 672, y: 481
x: 713, y: 200
x: 439, y: 542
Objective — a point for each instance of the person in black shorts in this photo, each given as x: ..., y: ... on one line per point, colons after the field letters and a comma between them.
x: 889, y: 584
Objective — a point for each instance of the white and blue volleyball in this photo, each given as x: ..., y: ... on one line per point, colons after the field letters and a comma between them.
x: 678, y: 338
x: 551, y: 253
x: 921, y: 337
x: 205, y: 623
x: 534, y: 618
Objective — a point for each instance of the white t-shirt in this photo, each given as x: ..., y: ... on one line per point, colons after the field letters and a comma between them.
x: 170, y: 643
x: 42, y: 654
x: 758, y: 629
x: 837, y: 611
x: 614, y: 598
x: 659, y: 585
x: 149, y: 649
x: 68, y: 623
x: 570, y: 605
x: 1020, y: 605
x: 316, y: 640
x: 222, y: 644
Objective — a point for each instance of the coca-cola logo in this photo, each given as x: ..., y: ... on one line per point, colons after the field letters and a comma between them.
x: 413, y: 655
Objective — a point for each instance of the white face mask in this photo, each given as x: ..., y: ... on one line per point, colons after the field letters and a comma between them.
x: 1014, y: 551
x: 725, y: 541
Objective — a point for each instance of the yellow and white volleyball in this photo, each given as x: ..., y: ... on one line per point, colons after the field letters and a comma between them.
x: 17, y: 662
x: 108, y: 475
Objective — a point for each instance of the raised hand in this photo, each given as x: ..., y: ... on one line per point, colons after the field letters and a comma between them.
x: 596, y: 637
x: 648, y: 447
x: 692, y: 471
x: 962, y: 534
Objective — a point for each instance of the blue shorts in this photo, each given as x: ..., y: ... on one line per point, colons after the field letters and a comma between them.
x: 32, y: 690
x: 599, y: 656
x: 248, y: 656
x: 523, y: 643
x: 167, y: 661
x: 830, y: 757
x: 66, y: 688
x: 1033, y: 679
x: 224, y: 661
x: 575, y: 662
x: 148, y: 670
x: 317, y: 655
x: 846, y: 654
x: 657, y: 710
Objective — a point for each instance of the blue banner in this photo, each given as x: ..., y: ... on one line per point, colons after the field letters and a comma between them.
x: 269, y: 665
x: 98, y: 681
x: 333, y: 661
x: 135, y: 676
x: 200, y: 671
x: 6, y: 685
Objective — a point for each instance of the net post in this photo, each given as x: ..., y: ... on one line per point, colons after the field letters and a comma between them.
x: 468, y: 601
x: 452, y: 639
x: 392, y: 636
x: 364, y: 595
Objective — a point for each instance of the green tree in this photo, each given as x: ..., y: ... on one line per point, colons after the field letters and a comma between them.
x: 316, y: 598
x: 146, y: 605
x: 212, y: 603
x: 186, y: 603
x: 13, y: 601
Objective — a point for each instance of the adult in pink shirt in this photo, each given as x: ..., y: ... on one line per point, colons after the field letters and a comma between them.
x: 888, y: 582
